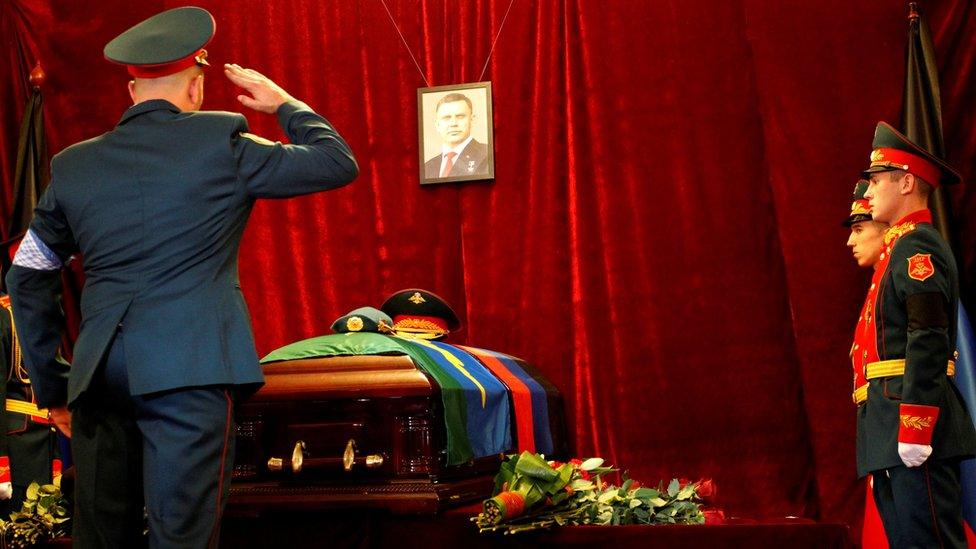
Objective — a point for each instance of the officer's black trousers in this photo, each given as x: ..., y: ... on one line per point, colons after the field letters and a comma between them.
x: 169, y: 453
x: 921, y: 507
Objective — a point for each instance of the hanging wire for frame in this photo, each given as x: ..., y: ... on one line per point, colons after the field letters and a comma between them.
x: 491, y: 51
x: 402, y: 39
x: 493, y: 42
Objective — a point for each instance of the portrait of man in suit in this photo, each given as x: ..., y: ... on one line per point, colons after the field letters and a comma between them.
x: 453, y: 151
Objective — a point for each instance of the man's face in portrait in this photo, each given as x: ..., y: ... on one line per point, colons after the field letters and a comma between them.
x: 453, y: 122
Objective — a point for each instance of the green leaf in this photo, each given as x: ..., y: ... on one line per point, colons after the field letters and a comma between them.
x: 687, y: 492
x: 533, y: 466
x: 607, y: 497
x: 580, y: 484
x: 673, y: 487
x: 647, y: 493
x: 627, y: 484
x: 591, y: 464
x: 635, y: 503
x: 657, y: 502
x: 32, y: 491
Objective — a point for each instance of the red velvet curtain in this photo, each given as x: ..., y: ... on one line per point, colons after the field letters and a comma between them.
x: 662, y: 238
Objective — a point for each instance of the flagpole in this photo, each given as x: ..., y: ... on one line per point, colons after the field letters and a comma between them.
x: 922, y: 111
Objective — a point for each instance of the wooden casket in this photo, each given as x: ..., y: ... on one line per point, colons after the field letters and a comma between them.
x: 369, y: 431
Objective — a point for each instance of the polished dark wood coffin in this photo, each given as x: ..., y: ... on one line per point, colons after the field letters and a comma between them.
x: 351, y: 431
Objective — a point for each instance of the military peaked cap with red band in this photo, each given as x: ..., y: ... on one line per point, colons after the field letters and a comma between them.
x: 894, y: 151
x: 421, y: 313
x: 164, y: 44
x: 860, y: 208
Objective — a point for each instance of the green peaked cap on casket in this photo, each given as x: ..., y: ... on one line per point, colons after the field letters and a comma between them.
x: 363, y: 319
x: 164, y: 44
x: 421, y: 314
x: 860, y: 209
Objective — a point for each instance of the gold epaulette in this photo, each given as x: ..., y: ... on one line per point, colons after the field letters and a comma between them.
x: 26, y: 408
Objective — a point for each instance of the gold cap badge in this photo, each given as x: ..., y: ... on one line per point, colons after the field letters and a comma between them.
x: 417, y: 299
x: 354, y: 324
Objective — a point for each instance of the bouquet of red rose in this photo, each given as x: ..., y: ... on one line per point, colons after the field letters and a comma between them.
x: 532, y: 493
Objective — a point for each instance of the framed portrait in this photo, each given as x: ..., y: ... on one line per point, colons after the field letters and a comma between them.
x: 456, y: 138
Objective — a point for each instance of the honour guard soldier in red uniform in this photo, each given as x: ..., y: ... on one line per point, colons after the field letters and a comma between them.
x: 912, y: 427
x: 28, y: 441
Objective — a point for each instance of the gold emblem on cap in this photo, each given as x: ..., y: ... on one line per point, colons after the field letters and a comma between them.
x: 417, y: 299
x: 354, y: 324
x: 201, y: 58
x: 858, y: 208
x: 877, y: 155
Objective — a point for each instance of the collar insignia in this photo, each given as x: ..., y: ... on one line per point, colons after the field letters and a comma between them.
x: 896, y: 232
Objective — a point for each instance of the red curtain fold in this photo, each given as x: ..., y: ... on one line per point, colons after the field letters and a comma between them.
x: 662, y: 238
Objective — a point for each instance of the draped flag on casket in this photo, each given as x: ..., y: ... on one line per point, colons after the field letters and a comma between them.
x: 483, y: 393
x: 486, y: 411
x: 529, y: 399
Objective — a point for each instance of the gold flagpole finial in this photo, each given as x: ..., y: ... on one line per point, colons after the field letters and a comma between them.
x: 912, y: 11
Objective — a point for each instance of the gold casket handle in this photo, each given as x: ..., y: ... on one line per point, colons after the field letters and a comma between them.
x: 298, y: 457
x: 349, y: 456
x: 372, y: 461
x: 300, y: 460
x: 276, y: 464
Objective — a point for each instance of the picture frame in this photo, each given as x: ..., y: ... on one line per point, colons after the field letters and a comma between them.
x: 455, y: 119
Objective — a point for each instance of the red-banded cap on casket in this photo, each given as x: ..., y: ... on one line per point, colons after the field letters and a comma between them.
x: 366, y: 419
x: 421, y: 314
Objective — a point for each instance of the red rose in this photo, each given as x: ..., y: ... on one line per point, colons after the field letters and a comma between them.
x: 576, y: 462
x: 714, y: 516
x: 706, y: 490
x: 635, y: 485
x: 555, y: 464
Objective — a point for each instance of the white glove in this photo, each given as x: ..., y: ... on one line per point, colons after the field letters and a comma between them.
x: 913, y: 455
x: 6, y: 490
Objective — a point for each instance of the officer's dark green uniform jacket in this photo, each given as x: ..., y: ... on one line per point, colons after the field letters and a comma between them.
x: 162, y: 260
x: 914, y: 315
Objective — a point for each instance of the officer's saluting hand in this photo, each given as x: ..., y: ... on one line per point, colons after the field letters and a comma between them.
x: 266, y: 96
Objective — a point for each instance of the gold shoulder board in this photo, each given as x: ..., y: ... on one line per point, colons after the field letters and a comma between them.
x: 257, y: 139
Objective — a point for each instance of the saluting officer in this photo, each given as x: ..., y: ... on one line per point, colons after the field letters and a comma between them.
x: 157, y: 206
x: 912, y: 429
